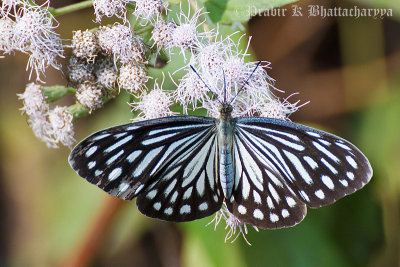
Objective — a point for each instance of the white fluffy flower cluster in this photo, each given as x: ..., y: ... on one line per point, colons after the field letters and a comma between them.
x: 52, y: 126
x: 30, y: 29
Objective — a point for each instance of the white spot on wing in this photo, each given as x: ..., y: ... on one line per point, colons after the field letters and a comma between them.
x: 185, y: 209
x: 157, y: 205
x: 158, y: 139
x: 242, y: 209
x: 173, y: 198
x: 200, y: 184
x: 245, y: 187
x: 350, y: 175
x: 314, y: 134
x: 304, y: 196
x: 320, y: 194
x: 123, y: 187
x: 258, y: 214
x: 91, y: 164
x: 203, y: 206
x: 99, y: 137
x: 344, y: 182
x: 285, y: 213
x: 343, y: 146
x: 151, y: 194
x: 287, y: 143
x: 98, y: 172
x: 273, y: 217
x: 114, y: 174
x: 290, y: 201
x: 328, y: 182
x: 168, y: 211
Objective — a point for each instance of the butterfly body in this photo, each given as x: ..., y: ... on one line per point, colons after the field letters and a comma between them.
x: 183, y: 168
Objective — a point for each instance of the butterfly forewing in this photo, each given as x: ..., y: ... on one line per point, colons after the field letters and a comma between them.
x: 318, y: 167
x: 122, y: 160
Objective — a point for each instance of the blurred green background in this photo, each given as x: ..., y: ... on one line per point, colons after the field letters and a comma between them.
x: 349, y: 68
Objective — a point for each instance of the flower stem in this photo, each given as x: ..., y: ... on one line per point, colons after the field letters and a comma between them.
x: 70, y: 8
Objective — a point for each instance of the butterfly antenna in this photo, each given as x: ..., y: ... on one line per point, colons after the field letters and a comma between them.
x: 259, y: 62
x: 216, y: 97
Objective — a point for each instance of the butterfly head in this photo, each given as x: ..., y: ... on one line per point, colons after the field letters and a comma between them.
x: 225, y: 110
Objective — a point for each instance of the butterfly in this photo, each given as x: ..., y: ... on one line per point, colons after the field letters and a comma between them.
x: 266, y: 171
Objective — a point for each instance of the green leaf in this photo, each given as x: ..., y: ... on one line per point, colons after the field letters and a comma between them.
x: 228, y: 11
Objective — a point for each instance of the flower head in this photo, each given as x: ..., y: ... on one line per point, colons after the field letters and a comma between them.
x: 106, y: 73
x: 89, y: 95
x: 79, y: 71
x: 162, y: 33
x: 148, y: 9
x: 6, y: 34
x: 119, y: 41
x: 132, y: 78
x: 34, y: 100
x: 110, y: 8
x: 155, y: 104
x: 84, y: 45
x: 34, y: 34
x: 62, y: 130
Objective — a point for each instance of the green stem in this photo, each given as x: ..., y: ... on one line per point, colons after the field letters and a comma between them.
x: 144, y: 29
x: 55, y: 92
x: 70, y: 8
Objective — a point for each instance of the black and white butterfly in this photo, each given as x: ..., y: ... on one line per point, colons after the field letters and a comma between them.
x: 183, y: 168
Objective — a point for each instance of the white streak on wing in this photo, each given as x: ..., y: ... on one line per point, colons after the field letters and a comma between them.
x: 210, y: 167
x: 131, y: 128
x: 120, y: 135
x: 343, y: 146
x: 172, y: 147
x: 322, y: 141
x: 251, y: 167
x: 257, y: 198
x: 200, y: 185
x: 311, y: 162
x: 133, y: 156
x: 90, y: 151
x: 123, y: 187
x: 245, y: 187
x: 114, y: 158
x: 118, y: 144
x: 273, y: 178
x: 277, y: 157
x: 325, y: 151
x: 146, y: 160
x: 351, y: 161
x: 299, y: 167
x: 178, y: 128
x: 263, y: 129
x: 197, y: 162
x: 170, y: 174
x: 170, y: 187
x: 187, y: 193
x: 273, y: 192
x: 287, y: 143
x: 329, y: 166
x: 100, y: 136
x: 313, y: 134
x: 158, y: 139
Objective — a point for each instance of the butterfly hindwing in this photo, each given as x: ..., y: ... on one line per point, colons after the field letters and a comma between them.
x: 122, y: 159
x: 260, y: 197
x: 318, y: 167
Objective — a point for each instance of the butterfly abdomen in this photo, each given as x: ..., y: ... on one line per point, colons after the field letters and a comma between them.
x: 225, y: 144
